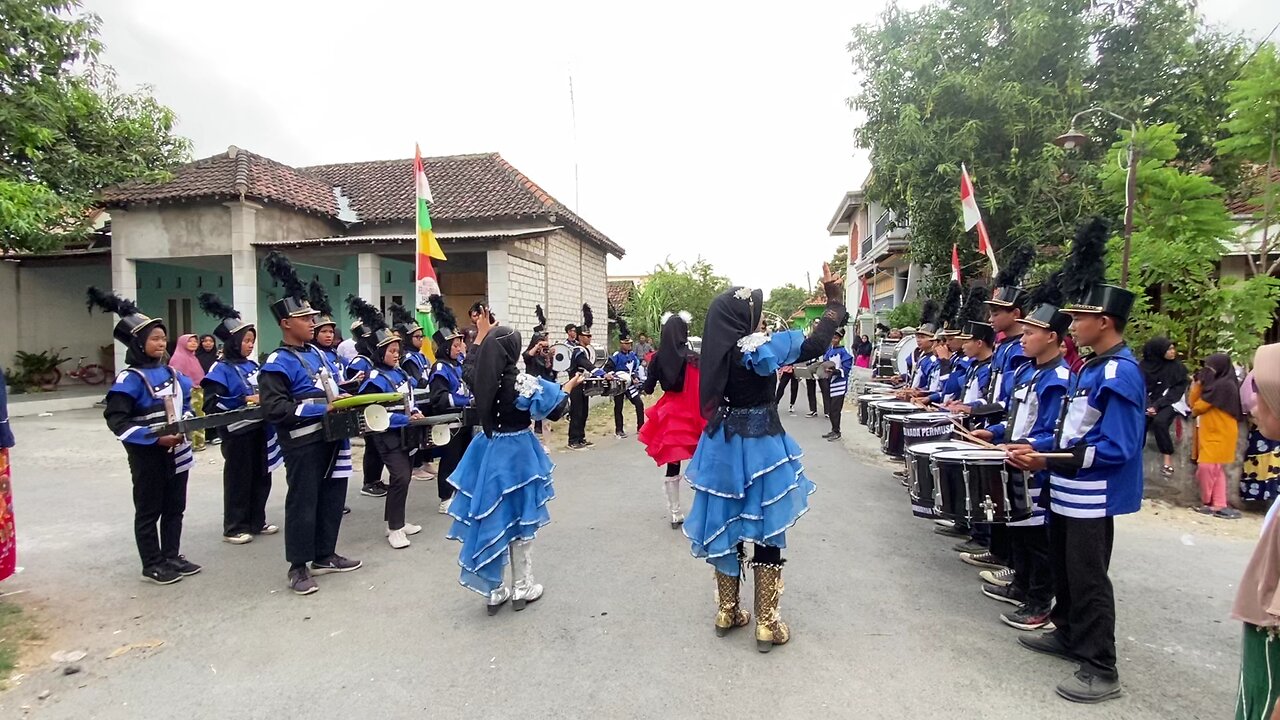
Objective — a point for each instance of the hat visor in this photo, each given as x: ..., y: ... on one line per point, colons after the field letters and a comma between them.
x: 1033, y: 323
x: 1083, y: 310
x: 309, y: 312
x: 998, y: 303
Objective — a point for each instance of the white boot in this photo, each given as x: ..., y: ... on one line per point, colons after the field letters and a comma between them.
x: 497, y: 598
x: 526, y: 590
x: 409, y: 529
x: 397, y: 539
x: 444, y: 505
x: 672, y: 486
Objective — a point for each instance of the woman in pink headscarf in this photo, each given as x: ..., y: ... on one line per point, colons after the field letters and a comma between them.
x: 184, y: 360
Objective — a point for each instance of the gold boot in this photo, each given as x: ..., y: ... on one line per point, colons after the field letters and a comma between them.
x: 730, y: 613
x: 770, y: 630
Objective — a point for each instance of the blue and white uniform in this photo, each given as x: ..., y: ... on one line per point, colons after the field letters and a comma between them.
x: 627, y: 362
x: 416, y: 365
x: 148, y: 388
x: 389, y: 380
x: 839, y: 380
x: 307, y: 372
x: 977, y: 382
x: 923, y: 367
x: 1005, y: 361
x: 449, y: 391
x: 1035, y: 406
x: 947, y: 381
x: 239, y: 379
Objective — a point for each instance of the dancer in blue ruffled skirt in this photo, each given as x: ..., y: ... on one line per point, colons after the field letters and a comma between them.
x: 503, y: 481
x: 749, y: 484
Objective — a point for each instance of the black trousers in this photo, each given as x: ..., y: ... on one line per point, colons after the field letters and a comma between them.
x: 313, y: 503
x: 766, y: 554
x: 1085, y: 614
x: 246, y: 481
x: 835, y: 407
x: 395, y: 455
x: 1029, y: 555
x: 159, y: 499
x: 673, y: 469
x: 450, y: 456
x: 1159, y: 425
x: 578, y: 409
x: 371, y: 463
x: 618, y: 401
x: 793, y: 382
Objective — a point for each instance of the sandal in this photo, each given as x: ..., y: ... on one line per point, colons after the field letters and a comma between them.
x: 1228, y: 513
x: 1205, y: 510
x: 1166, y: 470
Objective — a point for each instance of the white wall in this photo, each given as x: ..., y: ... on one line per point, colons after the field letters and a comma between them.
x: 51, y: 313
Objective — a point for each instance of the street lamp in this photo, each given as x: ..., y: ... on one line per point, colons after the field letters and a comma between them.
x: 1073, y: 139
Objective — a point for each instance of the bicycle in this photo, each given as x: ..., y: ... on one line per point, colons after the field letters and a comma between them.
x: 87, y: 373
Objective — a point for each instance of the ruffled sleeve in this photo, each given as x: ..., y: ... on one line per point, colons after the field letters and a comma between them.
x: 538, y: 397
x: 764, y: 356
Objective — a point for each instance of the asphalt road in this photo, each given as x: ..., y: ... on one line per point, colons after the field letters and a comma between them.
x: 886, y: 622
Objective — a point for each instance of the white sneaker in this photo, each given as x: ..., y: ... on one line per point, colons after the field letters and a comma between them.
x: 411, y: 529
x: 423, y: 473
x: 238, y: 539
x: 269, y: 529
x: 444, y: 506
x: 397, y: 539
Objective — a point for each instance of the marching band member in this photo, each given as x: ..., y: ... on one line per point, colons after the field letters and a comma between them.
x: 326, y: 333
x: 674, y: 423
x: 538, y: 356
x: 1103, y: 429
x: 626, y: 362
x: 748, y: 483
x: 396, y: 444
x: 504, y: 479
x: 147, y: 393
x: 1035, y: 403
x: 354, y: 376
x: 582, y: 359
x: 414, y: 362
x: 449, y: 394
x: 948, y: 376
x: 837, y: 382
x: 250, y: 451
x: 294, y: 387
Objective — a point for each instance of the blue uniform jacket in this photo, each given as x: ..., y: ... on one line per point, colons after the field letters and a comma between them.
x: 1034, y: 409
x: 383, y: 379
x: 146, y: 388
x: 844, y: 366
x: 950, y: 376
x: 449, y: 391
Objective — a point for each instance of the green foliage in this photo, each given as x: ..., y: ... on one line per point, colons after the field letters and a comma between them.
x: 786, y: 300
x: 673, y: 287
x: 992, y: 82
x: 840, y: 261
x: 66, y: 129
x: 1253, y: 127
x: 906, y: 314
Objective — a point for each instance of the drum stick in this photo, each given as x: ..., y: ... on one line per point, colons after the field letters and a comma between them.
x: 970, y: 436
x: 1052, y: 456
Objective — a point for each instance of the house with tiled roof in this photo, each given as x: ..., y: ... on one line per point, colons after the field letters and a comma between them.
x: 878, y: 258
x: 352, y: 226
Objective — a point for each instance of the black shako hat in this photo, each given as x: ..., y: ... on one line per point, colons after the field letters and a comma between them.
x: 293, y: 301
x: 975, y: 330
x: 1103, y: 299
x: 1049, y: 317
x: 1008, y: 296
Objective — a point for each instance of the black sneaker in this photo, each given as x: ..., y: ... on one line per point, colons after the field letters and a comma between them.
x: 577, y: 446
x: 812, y: 413
x: 162, y: 574
x: 902, y: 475
x: 827, y: 436
x: 301, y: 582
x: 970, y: 547
x: 184, y: 566
x: 983, y: 559
x: 588, y: 443
x: 346, y: 509
x: 334, y: 564
x: 1086, y: 687
x: 833, y: 437
x: 954, y: 531
x: 1048, y: 644
x: 1008, y: 594
x: 622, y: 435
x: 375, y: 490
x: 791, y: 410
x: 1027, y: 618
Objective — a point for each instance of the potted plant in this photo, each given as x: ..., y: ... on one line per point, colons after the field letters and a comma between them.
x: 39, y: 370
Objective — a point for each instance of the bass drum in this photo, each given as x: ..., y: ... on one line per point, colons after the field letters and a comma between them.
x: 902, y: 355
x: 560, y: 356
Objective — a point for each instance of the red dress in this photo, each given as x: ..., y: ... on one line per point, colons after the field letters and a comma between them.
x: 673, y: 425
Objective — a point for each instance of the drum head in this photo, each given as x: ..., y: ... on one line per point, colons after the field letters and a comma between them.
x: 939, y: 446
x: 978, y: 454
x: 929, y: 417
x: 560, y: 357
x: 897, y: 407
x: 894, y: 418
x: 902, y: 353
x: 874, y: 397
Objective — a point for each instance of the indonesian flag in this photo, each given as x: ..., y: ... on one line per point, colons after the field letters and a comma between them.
x: 865, y: 302
x: 955, y: 263
x: 972, y: 217
x: 426, y: 284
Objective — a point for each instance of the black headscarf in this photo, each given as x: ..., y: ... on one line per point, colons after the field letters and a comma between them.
x: 136, y: 353
x: 207, y: 357
x: 1219, y: 386
x: 231, y: 350
x: 1161, y: 372
x: 495, y: 360
x: 729, y: 319
x: 673, y: 353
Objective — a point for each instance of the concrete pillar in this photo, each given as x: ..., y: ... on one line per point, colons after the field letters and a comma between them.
x: 498, y: 284
x: 369, y: 278
x: 124, y: 280
x: 244, y: 263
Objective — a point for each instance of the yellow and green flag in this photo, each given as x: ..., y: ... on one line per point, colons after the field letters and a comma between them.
x: 428, y: 247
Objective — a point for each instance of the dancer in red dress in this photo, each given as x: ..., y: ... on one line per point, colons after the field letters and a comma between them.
x: 674, y: 424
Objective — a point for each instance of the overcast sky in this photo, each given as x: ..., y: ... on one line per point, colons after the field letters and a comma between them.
x: 703, y: 128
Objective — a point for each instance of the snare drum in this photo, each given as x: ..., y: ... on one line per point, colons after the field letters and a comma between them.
x: 863, y: 406
x: 979, y: 487
x: 878, y: 409
x: 926, y: 427
x: 922, y: 491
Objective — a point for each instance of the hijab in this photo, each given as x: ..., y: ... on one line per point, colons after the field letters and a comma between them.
x: 231, y: 350
x: 207, y: 357
x: 1159, y: 370
x: 673, y: 352
x: 495, y: 361
x: 185, y: 361
x: 1218, y: 385
x: 734, y: 314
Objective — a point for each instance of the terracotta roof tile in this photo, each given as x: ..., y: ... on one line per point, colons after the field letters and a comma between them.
x: 1244, y: 205
x: 619, y: 293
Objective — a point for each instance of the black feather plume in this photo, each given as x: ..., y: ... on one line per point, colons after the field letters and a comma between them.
x: 213, y: 306
x: 320, y: 298
x: 367, y: 314
x: 974, y: 310
x: 588, y: 318
x: 109, y: 302
x: 542, y: 319
x: 881, y: 327
x: 950, y: 304
x: 623, y: 330
x: 1017, y: 266
x: 1048, y: 292
x: 283, y: 272
x: 400, y: 316
x: 444, y: 317
x: 929, y: 313
x: 1086, y: 264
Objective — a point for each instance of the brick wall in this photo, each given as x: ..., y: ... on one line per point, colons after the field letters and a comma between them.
x: 526, y: 288
x: 575, y: 274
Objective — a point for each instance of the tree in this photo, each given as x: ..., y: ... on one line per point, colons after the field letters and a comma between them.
x: 992, y: 82
x: 66, y: 129
x: 1181, y: 225
x: 902, y: 315
x: 784, y: 301
x: 840, y: 261
x: 1253, y: 127
x: 673, y: 287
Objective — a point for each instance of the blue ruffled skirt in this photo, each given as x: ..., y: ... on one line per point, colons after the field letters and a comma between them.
x: 749, y: 489
x: 504, y: 485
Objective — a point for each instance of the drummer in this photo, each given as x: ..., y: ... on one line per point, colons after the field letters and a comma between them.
x: 1039, y: 387
x: 923, y: 363
x: 978, y: 341
x: 947, y: 381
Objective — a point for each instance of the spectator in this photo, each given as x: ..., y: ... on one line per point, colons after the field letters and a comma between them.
x: 1260, y: 473
x: 1167, y: 381
x: 1215, y: 400
x: 184, y: 360
x: 862, y: 351
x: 8, y: 541
x: 644, y: 348
x: 207, y: 354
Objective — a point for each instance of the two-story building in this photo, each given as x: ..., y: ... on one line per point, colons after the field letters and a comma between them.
x: 878, y: 258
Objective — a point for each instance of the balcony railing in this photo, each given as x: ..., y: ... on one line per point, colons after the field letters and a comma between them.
x: 887, y: 222
x: 866, y: 246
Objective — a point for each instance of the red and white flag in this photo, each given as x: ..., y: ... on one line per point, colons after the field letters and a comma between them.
x: 955, y: 264
x: 972, y: 217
